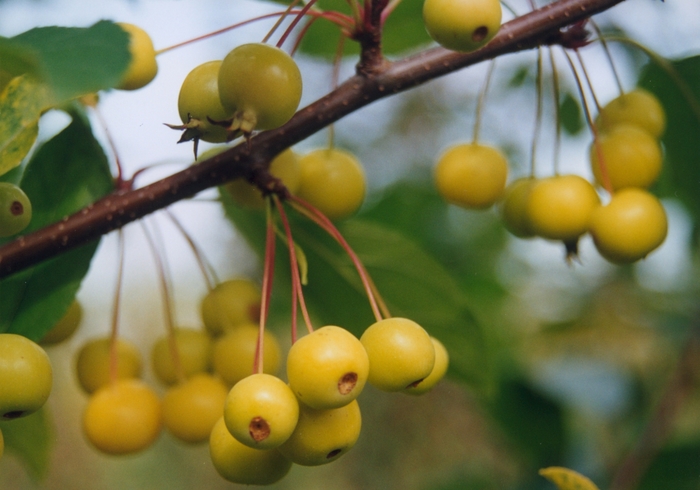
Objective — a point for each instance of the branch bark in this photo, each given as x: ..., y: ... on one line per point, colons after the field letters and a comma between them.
x: 539, y: 27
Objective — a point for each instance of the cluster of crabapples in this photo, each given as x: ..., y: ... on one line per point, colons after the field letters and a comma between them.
x: 625, y: 159
x: 257, y: 424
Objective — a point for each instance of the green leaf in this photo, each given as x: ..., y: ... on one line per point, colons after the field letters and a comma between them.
x: 66, y: 174
x: 675, y: 467
x: 21, y: 104
x: 571, y: 117
x: 682, y: 165
x: 30, y: 439
x: 72, y: 61
x: 412, y: 282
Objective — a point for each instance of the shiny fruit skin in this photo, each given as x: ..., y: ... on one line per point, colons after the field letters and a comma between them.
x: 327, y: 368
x: 560, y: 207
x: 261, y: 85
x: 333, y: 181
x: 230, y: 304
x: 322, y: 436
x: 194, y: 349
x: 143, y: 67
x: 92, y: 363
x: 199, y: 101
x: 15, y: 209
x: 191, y: 408
x: 261, y: 411
x: 629, y: 227
x: 400, y: 353
x: 123, y: 417
x: 66, y: 326
x: 26, y: 376
x: 632, y: 157
x: 442, y: 361
x: 234, y: 353
x: 472, y: 176
x: 462, y: 25
x: 514, y: 207
x: 638, y: 107
x: 284, y: 166
x: 239, y: 463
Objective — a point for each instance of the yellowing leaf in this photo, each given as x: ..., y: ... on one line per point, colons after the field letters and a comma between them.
x: 566, y: 479
x: 21, y: 104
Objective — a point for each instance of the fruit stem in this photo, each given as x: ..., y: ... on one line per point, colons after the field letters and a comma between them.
x: 294, y: 22
x: 326, y: 224
x: 204, y: 265
x: 280, y: 20
x: 480, y: 101
x: 113, y: 359
x: 220, y: 31
x: 164, y: 279
x: 297, y: 290
x: 119, y: 179
x: 538, y: 114
x: 268, y: 273
x: 596, y: 140
x: 588, y: 80
x: 557, y: 111
x: 608, y: 55
x: 666, y: 66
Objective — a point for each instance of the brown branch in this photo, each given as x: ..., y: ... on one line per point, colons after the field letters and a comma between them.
x: 116, y: 210
x: 660, y: 426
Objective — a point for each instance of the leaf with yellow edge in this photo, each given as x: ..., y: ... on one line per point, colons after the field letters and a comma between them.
x: 21, y: 104
x: 566, y: 479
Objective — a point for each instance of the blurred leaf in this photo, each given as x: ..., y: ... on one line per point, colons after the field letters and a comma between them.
x: 566, y: 479
x: 65, y: 174
x: 21, y: 104
x: 411, y: 281
x: 72, y: 61
x: 519, y: 77
x: 681, y: 172
x: 30, y: 439
x: 532, y: 421
x: 571, y: 117
x: 675, y: 468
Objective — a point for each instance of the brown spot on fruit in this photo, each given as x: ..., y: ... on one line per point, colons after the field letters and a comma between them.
x: 480, y: 34
x: 15, y: 414
x: 259, y: 429
x: 347, y: 383
x: 415, y: 383
x: 16, y: 208
x: 333, y: 453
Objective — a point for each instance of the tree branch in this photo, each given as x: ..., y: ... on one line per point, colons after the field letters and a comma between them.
x: 121, y: 207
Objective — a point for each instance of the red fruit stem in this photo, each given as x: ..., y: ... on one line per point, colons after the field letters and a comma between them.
x: 164, y: 280
x: 113, y: 147
x: 204, y: 265
x: 320, y: 219
x: 268, y: 273
x: 220, y: 31
x: 557, y: 111
x: 296, y: 280
x: 294, y: 23
x: 114, y: 335
x: 596, y: 140
x: 390, y: 7
x: 280, y: 20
